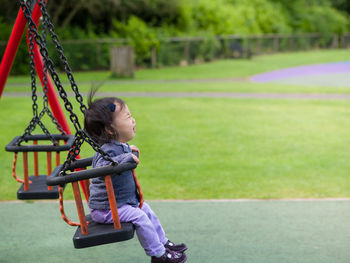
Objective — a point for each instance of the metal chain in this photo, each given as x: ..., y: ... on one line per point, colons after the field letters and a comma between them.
x: 74, y: 151
x: 46, y: 108
x: 97, y: 148
x: 59, y: 50
x: 32, y: 75
x: 45, y: 130
x: 49, y: 64
x: 28, y: 130
x: 45, y: 99
x: 36, y: 119
x: 81, y: 135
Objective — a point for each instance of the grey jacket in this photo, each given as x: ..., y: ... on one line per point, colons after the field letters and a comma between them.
x: 124, y: 185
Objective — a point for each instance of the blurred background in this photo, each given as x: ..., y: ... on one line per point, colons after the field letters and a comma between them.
x: 182, y: 32
x: 259, y: 88
x: 236, y: 101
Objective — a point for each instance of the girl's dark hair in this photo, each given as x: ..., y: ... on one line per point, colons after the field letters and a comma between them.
x: 99, y: 116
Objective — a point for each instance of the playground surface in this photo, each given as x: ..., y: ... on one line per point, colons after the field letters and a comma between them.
x: 225, y: 231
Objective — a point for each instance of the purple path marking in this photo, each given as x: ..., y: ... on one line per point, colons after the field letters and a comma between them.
x: 316, y: 69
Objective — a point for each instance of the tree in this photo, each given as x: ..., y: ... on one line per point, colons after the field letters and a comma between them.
x: 342, y: 5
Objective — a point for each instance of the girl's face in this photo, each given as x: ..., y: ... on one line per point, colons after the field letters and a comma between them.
x: 123, y: 123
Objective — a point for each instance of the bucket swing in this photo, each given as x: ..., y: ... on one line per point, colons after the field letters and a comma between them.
x: 34, y: 187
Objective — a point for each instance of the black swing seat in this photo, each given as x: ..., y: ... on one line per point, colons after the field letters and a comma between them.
x: 68, y: 138
x: 37, y: 189
x: 98, y: 234
x: 101, y: 234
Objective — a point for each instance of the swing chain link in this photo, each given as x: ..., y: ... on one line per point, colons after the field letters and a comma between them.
x: 28, y: 130
x: 74, y: 151
x: 36, y: 119
x: 59, y: 49
x: 49, y: 64
x: 81, y: 134
x: 46, y: 108
x: 97, y: 148
x: 32, y: 74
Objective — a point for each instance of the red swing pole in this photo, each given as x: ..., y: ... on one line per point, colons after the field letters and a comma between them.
x: 11, y: 49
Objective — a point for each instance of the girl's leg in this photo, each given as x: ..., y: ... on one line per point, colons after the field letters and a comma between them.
x: 155, y: 221
x: 145, y: 230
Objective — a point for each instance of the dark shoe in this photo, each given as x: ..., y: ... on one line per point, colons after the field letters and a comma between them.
x: 177, y: 248
x: 170, y: 257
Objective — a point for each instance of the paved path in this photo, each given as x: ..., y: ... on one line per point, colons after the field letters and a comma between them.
x: 314, y: 70
x: 152, y: 81
x: 232, y: 95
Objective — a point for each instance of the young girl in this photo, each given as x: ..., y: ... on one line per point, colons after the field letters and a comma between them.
x: 109, y: 122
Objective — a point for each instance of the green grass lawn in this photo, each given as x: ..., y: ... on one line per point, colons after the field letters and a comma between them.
x: 217, y: 70
x: 199, y: 148
x: 218, y: 148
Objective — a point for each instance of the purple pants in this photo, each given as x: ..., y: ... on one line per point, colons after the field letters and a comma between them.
x: 148, y: 228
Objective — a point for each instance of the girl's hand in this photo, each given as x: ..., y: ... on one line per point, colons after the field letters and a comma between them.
x: 135, y: 158
x: 135, y: 149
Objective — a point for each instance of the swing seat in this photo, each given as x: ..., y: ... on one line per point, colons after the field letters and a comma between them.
x: 13, y: 147
x: 37, y: 190
x: 97, y: 234
x: 100, y: 234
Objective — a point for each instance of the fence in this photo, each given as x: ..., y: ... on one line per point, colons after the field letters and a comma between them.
x: 94, y: 54
x: 195, y: 50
